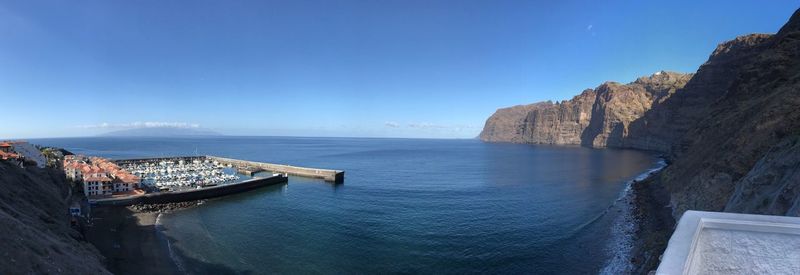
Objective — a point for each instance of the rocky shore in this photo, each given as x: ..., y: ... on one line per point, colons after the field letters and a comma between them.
x: 654, y: 223
x: 164, y: 207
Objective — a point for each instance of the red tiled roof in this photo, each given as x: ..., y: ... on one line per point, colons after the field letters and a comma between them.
x: 4, y: 155
x: 101, y: 179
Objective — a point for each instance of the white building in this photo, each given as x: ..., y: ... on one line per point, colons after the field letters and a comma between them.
x: 97, y: 183
x: 100, y: 176
x: 73, y: 166
x: 29, y: 152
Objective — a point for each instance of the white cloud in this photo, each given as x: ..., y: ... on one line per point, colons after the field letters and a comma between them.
x: 425, y: 125
x: 139, y: 124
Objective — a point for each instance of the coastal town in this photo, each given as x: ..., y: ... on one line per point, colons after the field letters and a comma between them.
x: 119, y: 181
x: 114, y: 203
x: 99, y: 176
x: 101, y: 180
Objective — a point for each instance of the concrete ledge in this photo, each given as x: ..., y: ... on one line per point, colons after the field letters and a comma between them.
x: 729, y: 243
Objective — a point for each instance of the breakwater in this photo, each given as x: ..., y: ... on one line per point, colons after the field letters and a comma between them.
x: 336, y: 176
x: 194, y: 194
x: 248, y: 167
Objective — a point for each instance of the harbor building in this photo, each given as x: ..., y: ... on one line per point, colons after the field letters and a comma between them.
x: 99, y: 176
x: 97, y: 183
x: 72, y: 167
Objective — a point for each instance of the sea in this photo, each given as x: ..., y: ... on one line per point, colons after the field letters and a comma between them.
x: 433, y: 206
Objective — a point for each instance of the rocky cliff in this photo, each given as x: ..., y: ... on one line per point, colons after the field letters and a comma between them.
x: 741, y: 154
x: 37, y: 237
x: 731, y: 130
x: 660, y: 127
x: 597, y: 117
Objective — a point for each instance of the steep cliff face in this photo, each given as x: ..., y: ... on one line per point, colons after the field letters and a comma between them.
x: 741, y: 155
x: 732, y: 131
x: 597, y: 117
x: 671, y: 118
x: 507, y: 124
x: 771, y: 186
x: 561, y: 123
x: 36, y: 237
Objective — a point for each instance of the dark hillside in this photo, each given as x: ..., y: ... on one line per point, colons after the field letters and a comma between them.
x: 36, y: 235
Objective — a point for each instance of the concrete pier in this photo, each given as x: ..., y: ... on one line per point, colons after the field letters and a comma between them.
x: 335, y: 176
x: 191, y: 195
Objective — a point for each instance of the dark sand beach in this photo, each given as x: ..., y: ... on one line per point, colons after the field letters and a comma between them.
x: 129, y: 241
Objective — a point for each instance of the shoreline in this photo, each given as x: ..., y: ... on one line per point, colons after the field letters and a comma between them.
x: 653, y: 222
x: 621, y: 244
x: 130, y: 238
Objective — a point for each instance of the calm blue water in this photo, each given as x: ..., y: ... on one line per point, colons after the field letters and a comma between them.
x: 406, y: 206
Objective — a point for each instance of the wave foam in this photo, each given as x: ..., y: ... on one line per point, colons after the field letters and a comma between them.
x: 620, y: 245
x: 172, y: 254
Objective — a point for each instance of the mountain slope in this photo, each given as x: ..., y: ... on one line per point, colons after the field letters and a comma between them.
x: 739, y: 156
x: 666, y: 123
x: 37, y: 237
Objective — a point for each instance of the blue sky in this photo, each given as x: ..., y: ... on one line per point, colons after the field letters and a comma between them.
x: 336, y: 68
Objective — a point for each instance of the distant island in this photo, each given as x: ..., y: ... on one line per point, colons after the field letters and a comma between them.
x: 162, y: 132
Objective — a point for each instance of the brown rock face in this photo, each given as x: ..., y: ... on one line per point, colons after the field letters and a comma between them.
x: 561, y: 123
x: 732, y: 131
x: 597, y: 117
x: 741, y: 156
x: 506, y: 125
x: 671, y: 118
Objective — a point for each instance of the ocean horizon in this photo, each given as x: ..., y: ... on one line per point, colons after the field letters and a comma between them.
x: 406, y: 206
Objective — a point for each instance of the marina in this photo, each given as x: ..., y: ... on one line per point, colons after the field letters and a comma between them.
x: 177, y: 179
x: 180, y: 173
